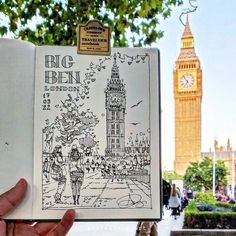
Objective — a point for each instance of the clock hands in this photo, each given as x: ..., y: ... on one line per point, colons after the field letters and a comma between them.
x: 187, y: 81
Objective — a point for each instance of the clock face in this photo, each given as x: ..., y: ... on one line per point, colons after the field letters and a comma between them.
x: 187, y: 81
x: 115, y: 100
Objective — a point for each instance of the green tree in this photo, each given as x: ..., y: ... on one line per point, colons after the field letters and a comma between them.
x: 133, y: 22
x: 199, y: 175
x: 170, y: 176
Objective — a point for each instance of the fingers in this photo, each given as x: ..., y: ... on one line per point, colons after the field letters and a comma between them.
x: 64, y: 225
x: 44, y: 228
x: 10, y: 199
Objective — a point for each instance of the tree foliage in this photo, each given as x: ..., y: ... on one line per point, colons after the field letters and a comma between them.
x: 200, y: 175
x: 170, y: 176
x: 133, y: 22
x: 74, y: 123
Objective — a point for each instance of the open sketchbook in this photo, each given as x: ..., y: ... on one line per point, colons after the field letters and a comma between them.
x: 83, y: 130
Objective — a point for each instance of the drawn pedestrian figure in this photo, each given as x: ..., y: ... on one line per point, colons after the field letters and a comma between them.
x: 114, y: 172
x: 58, y: 172
x: 49, y: 133
x: 131, y: 165
x: 135, y: 162
x: 93, y: 165
x: 108, y: 170
x: 87, y: 165
x: 97, y: 163
x: 124, y: 171
x: 76, y: 173
x: 46, y: 169
x: 119, y: 171
x: 103, y: 169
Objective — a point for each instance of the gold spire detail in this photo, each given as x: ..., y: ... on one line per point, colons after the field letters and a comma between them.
x: 187, y: 31
x: 187, y: 44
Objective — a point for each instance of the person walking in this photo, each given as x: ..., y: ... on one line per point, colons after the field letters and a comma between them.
x: 174, y: 201
x: 76, y: 173
x: 58, y: 172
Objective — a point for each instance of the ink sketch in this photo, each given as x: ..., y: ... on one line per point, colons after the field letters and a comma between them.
x: 93, y: 134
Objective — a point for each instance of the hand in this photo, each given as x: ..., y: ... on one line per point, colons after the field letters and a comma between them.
x: 10, y: 199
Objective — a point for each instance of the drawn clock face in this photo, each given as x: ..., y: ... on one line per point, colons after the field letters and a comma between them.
x: 115, y: 100
x: 187, y: 81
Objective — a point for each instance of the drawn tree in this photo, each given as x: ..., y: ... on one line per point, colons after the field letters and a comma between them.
x: 74, y: 124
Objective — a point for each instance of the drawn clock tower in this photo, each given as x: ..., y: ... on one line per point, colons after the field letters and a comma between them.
x: 115, y: 104
x: 188, y: 98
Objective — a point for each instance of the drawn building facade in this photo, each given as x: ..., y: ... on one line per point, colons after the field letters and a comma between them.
x: 187, y: 78
x: 115, y: 104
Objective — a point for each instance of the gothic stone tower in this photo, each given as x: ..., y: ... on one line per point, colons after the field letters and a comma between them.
x: 115, y: 96
x: 187, y: 78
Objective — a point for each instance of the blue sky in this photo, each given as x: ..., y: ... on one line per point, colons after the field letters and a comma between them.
x: 213, y: 25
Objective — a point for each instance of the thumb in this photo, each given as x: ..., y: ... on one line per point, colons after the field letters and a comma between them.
x: 2, y: 228
x: 10, y: 199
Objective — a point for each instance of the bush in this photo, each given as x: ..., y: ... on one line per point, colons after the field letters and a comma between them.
x: 195, y: 218
x: 204, y: 198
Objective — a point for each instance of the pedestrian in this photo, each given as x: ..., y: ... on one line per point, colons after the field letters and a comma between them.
x: 114, y: 172
x: 87, y: 165
x: 166, y: 188
x: 174, y: 201
x: 46, y: 169
x: 93, y: 166
x: 76, y: 173
x: 58, y: 172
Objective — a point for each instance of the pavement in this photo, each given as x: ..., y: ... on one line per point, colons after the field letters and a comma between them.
x: 97, y: 192
x: 167, y: 224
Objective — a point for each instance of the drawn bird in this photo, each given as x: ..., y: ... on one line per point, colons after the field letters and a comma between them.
x: 135, y: 105
x: 134, y: 123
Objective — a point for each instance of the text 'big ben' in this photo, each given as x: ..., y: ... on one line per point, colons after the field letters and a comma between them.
x: 188, y: 98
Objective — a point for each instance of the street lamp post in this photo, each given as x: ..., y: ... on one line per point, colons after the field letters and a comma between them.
x: 214, y: 175
x: 233, y: 177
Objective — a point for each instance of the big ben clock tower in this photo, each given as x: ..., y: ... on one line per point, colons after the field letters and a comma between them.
x: 115, y: 96
x: 188, y: 97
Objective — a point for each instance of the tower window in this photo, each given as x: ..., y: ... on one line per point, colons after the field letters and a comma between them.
x: 112, y: 140
x: 113, y: 127
x: 113, y: 115
x: 117, y: 115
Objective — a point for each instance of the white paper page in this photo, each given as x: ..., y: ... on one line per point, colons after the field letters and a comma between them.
x: 95, y: 119
x: 16, y: 119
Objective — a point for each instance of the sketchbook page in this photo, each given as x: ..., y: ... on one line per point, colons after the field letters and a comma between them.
x: 97, y: 134
x: 16, y: 122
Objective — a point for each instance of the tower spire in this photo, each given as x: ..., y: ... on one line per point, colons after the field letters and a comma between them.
x: 187, y: 30
x: 187, y: 43
x: 115, y: 83
x: 115, y: 69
